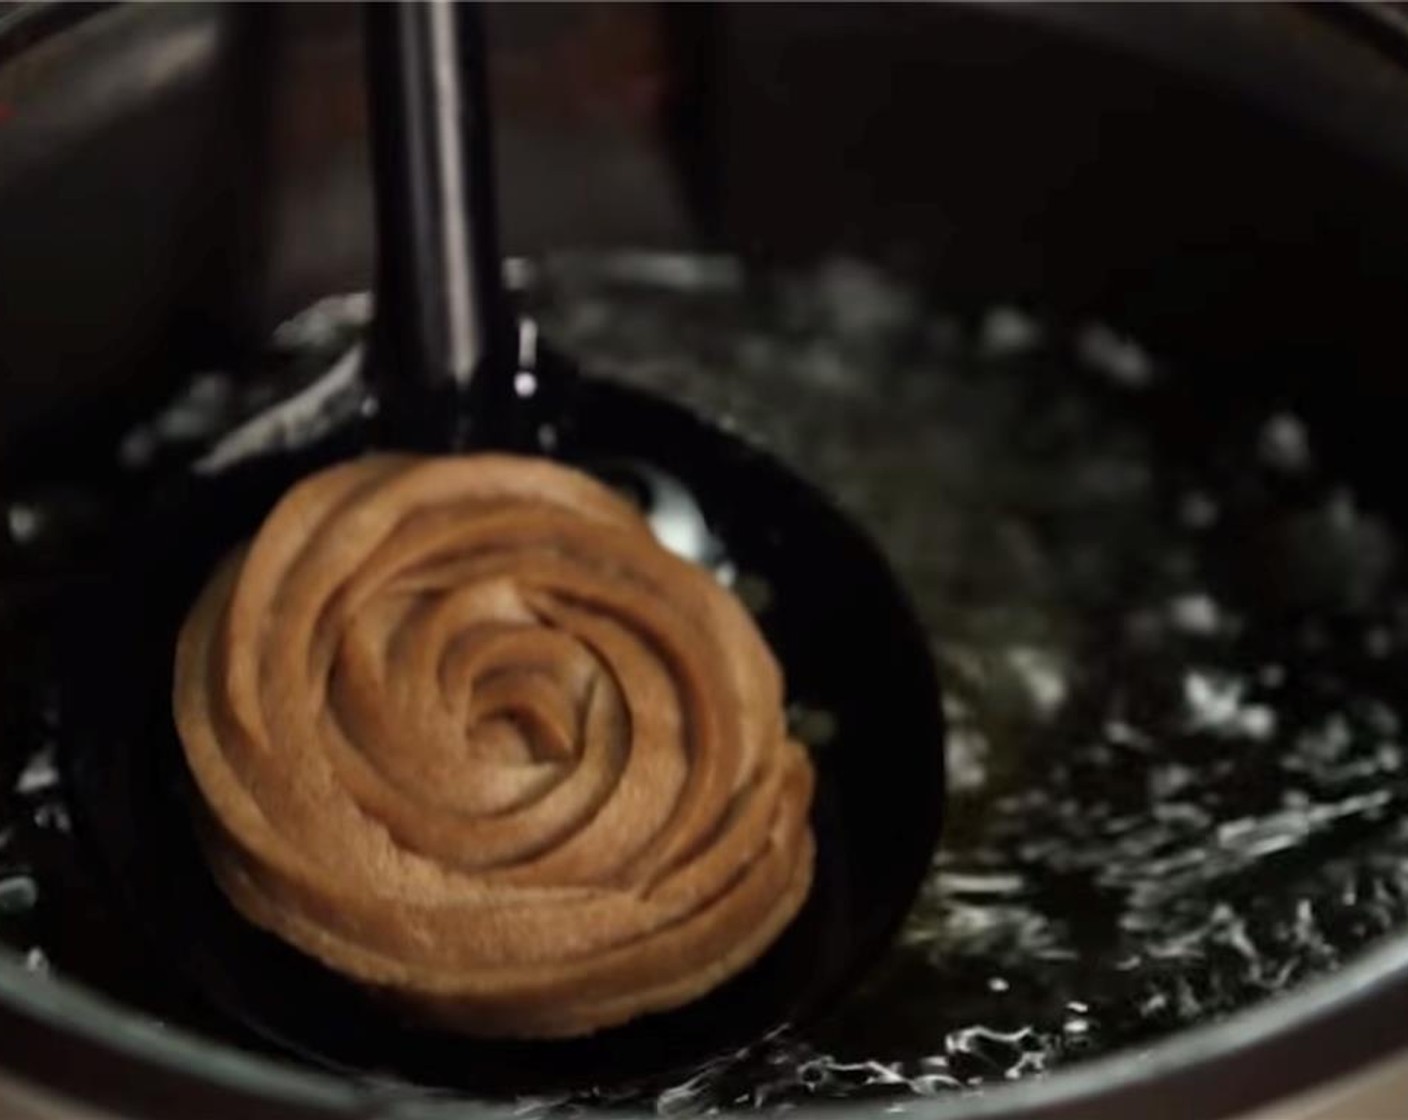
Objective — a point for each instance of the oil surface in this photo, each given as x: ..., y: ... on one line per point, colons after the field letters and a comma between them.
x: 1169, y: 643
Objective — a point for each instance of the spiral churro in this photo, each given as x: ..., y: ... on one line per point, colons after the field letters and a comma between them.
x: 465, y: 732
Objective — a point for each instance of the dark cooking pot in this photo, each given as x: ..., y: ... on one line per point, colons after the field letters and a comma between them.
x: 1226, y: 184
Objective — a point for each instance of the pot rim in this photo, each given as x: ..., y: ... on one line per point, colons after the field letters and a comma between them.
x: 87, y: 1048
x: 1274, y: 1049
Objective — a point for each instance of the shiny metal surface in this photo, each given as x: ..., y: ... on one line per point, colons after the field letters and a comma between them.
x: 1380, y: 1093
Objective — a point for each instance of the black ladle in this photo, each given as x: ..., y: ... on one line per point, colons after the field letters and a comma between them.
x: 451, y: 376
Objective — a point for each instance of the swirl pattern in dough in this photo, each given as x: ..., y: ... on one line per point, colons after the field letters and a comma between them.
x: 466, y: 733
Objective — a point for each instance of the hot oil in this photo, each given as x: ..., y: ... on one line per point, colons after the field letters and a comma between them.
x: 1169, y: 636
x: 1175, y: 747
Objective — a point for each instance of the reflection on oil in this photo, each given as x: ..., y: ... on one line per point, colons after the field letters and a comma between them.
x: 1176, y: 777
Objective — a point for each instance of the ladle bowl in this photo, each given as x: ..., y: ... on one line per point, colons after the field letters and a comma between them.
x: 810, y: 575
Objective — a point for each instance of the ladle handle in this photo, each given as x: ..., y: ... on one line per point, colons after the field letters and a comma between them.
x: 443, y: 320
